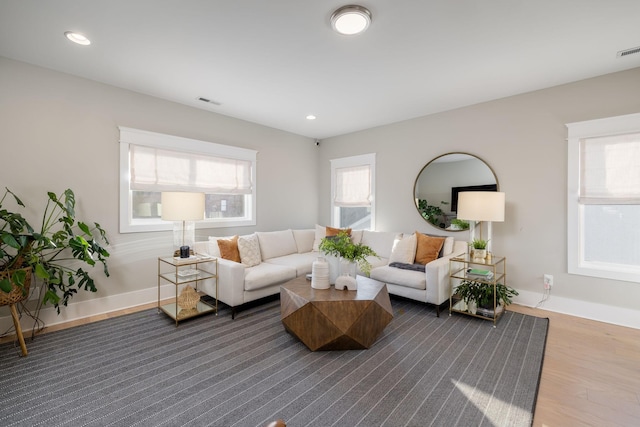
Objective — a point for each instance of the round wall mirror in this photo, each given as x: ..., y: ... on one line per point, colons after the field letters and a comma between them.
x: 439, y: 182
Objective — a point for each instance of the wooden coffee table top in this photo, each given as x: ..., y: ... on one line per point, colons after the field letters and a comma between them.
x: 330, y: 319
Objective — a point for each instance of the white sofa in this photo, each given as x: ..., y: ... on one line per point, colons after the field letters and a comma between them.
x: 287, y: 254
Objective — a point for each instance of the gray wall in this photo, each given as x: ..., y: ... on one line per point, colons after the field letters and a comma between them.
x: 523, y: 138
x: 48, y: 118
x: 60, y: 131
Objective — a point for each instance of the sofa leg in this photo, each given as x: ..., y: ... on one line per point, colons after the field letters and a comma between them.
x: 233, y: 313
x: 438, y: 310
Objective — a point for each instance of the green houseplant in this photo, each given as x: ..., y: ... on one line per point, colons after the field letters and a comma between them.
x: 342, y: 246
x: 57, y: 252
x: 459, y: 224
x: 482, y: 294
x: 479, y: 244
x: 433, y: 214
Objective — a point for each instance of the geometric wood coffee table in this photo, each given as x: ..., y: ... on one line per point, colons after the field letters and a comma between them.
x: 330, y: 319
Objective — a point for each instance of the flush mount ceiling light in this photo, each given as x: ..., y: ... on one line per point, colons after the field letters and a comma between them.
x: 350, y: 20
x: 77, y: 38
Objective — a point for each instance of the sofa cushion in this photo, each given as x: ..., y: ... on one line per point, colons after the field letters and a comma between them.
x: 301, y: 262
x: 356, y: 236
x: 266, y: 274
x: 304, y: 240
x: 404, y: 250
x: 380, y: 241
x: 276, y: 243
x: 249, y: 249
x: 447, y: 247
x: 397, y: 276
x: 229, y: 249
x: 428, y: 248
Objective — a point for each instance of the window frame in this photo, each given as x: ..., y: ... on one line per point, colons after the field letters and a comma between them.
x: 353, y: 161
x: 578, y: 131
x: 130, y: 136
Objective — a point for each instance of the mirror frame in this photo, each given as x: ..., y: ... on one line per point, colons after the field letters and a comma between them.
x: 415, y: 184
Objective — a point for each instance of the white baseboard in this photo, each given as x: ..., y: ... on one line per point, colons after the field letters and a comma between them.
x: 83, y: 309
x: 588, y: 310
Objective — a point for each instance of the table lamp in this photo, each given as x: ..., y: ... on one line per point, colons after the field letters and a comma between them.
x: 180, y: 206
x: 481, y: 206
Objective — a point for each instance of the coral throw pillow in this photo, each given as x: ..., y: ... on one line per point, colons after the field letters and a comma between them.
x: 428, y: 248
x: 229, y: 249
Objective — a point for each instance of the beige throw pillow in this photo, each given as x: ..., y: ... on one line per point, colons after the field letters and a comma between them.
x: 249, y: 249
x: 404, y: 250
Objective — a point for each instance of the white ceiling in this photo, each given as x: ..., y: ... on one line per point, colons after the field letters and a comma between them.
x: 273, y: 62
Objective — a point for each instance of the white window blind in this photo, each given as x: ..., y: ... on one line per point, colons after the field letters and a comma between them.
x: 154, y: 169
x: 603, y: 198
x: 610, y: 170
x: 353, y: 186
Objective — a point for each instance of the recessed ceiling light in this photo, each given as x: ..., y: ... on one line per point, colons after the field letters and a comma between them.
x: 311, y: 117
x: 77, y: 38
x: 351, y: 20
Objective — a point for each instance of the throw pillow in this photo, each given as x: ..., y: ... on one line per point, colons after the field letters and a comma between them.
x: 404, y: 250
x: 320, y: 234
x: 330, y: 231
x: 249, y: 249
x: 229, y: 249
x: 427, y: 248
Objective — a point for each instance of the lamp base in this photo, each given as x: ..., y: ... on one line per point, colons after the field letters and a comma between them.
x: 184, y: 252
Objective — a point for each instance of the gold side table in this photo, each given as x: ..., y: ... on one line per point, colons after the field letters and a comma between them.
x: 461, y: 267
x: 184, y: 272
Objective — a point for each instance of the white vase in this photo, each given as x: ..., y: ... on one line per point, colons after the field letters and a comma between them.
x: 347, y: 277
x: 473, y: 307
x: 320, y: 274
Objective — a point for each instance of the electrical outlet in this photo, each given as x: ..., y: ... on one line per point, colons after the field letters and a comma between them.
x: 548, y: 281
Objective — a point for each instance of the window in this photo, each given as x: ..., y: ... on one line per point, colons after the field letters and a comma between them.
x: 151, y: 163
x: 604, y: 198
x: 352, y: 192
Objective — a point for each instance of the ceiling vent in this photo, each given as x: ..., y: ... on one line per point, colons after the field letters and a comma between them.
x: 629, y: 51
x: 208, y: 101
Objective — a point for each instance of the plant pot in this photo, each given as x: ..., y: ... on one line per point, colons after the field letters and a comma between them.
x: 16, y: 295
x: 479, y: 254
x: 472, y: 307
x: 347, y: 277
x: 320, y: 274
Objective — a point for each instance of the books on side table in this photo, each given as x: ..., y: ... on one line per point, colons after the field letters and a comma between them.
x: 477, y: 273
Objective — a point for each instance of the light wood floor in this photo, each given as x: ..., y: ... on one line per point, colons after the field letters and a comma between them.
x: 590, y: 375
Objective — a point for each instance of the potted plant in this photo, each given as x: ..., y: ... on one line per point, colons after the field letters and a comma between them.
x: 433, y: 214
x: 342, y: 246
x: 479, y: 294
x: 57, y: 252
x: 459, y: 224
x: 479, y: 248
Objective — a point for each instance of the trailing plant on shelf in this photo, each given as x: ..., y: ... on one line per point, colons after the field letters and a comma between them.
x: 461, y: 224
x: 482, y: 293
x: 342, y: 246
x: 58, y: 252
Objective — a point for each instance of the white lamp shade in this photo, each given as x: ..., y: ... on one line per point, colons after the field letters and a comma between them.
x: 481, y: 206
x: 182, y: 206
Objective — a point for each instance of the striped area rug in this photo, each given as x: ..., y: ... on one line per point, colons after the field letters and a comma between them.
x: 140, y: 370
